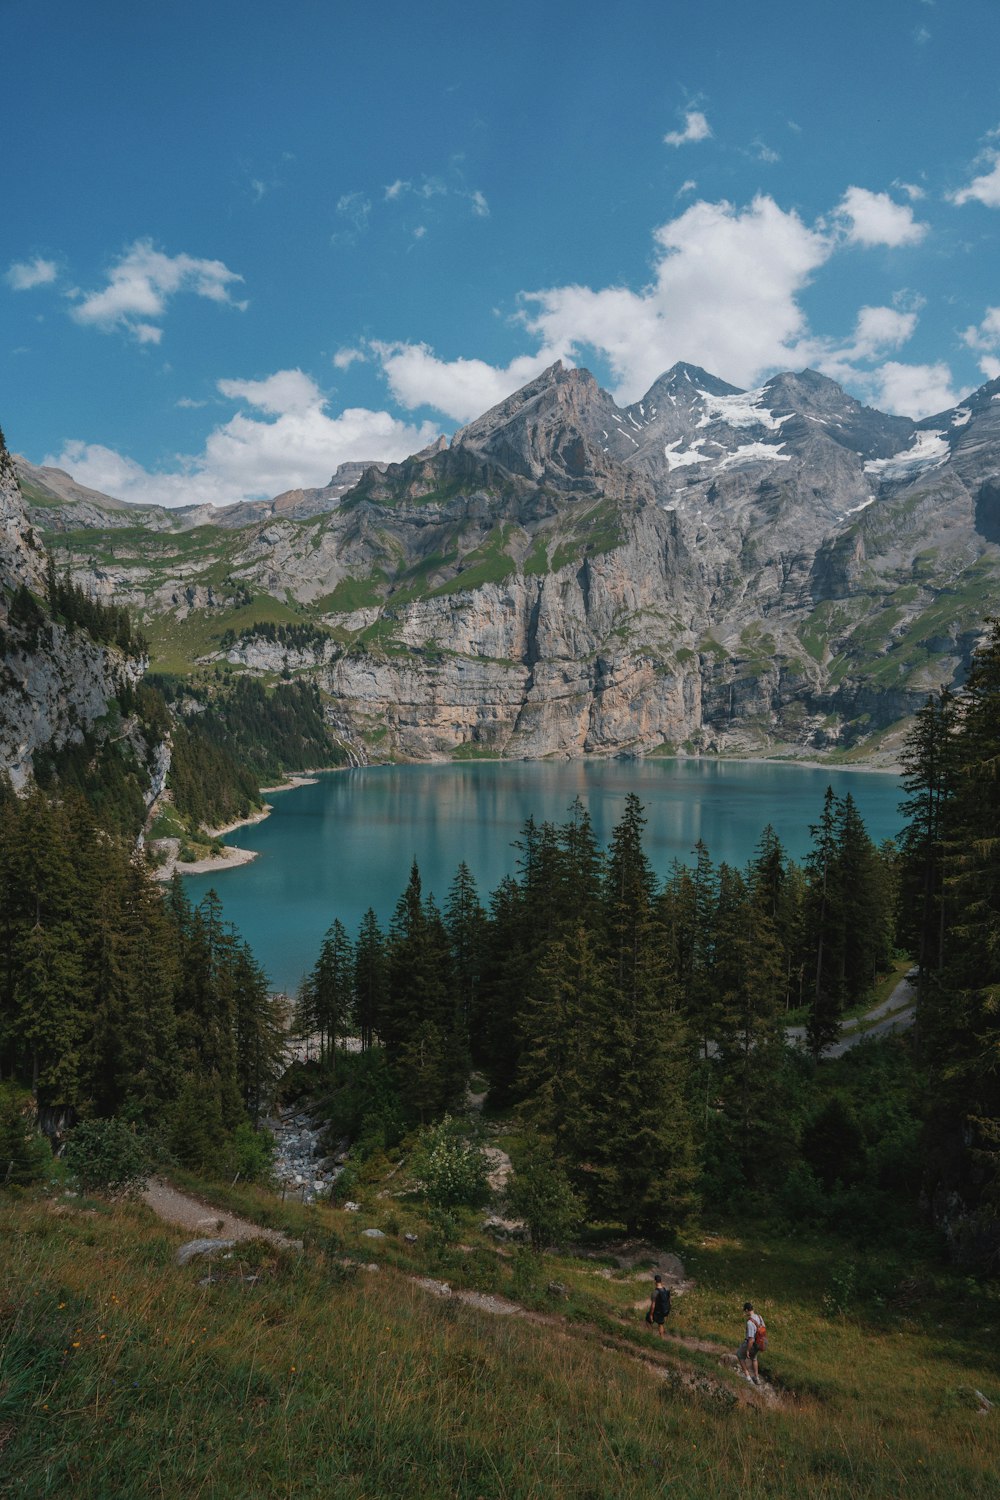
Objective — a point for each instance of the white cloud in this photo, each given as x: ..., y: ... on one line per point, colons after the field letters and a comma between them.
x: 877, y: 332
x: 461, y: 388
x: 984, y: 338
x: 879, y: 328
x: 725, y: 294
x: 984, y: 189
x: 480, y: 207
x: 395, y: 188
x: 760, y: 151
x: 298, y: 446
x: 25, y: 274
x: 696, y: 128
x: 356, y: 209
x: 345, y: 358
x: 141, y: 283
x: 284, y: 392
x: 912, y: 190
x: 688, y: 186
x: 874, y: 219
x: 914, y: 390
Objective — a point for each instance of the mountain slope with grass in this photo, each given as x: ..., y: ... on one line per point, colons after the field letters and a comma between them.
x: 334, y: 1372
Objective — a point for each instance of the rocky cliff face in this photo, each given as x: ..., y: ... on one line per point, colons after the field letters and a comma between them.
x: 56, y: 685
x: 711, y: 568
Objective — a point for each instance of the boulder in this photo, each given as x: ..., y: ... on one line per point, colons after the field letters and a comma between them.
x: 195, y: 1248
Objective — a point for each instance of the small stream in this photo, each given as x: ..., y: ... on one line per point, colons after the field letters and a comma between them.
x: 299, y: 1168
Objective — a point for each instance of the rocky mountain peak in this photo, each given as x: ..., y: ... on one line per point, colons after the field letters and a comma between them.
x: 546, y: 432
x: 687, y: 381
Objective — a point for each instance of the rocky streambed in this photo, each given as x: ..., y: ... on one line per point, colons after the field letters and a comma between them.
x: 301, y: 1167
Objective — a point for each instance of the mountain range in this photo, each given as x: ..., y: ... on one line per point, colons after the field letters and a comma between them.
x: 781, y: 570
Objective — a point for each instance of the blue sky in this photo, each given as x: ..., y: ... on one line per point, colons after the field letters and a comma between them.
x: 242, y: 243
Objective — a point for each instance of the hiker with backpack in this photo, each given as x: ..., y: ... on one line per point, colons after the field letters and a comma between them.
x: 753, y: 1344
x: 659, y: 1304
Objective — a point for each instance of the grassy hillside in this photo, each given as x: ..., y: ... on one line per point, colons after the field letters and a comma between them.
x: 123, y: 1375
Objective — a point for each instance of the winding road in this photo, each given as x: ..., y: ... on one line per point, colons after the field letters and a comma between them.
x: 894, y: 1014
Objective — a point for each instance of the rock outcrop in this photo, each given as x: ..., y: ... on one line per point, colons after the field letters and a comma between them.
x: 56, y: 684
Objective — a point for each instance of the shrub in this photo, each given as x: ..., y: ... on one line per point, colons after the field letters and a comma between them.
x: 540, y: 1194
x: 451, y: 1166
x: 107, y: 1156
x: 252, y: 1153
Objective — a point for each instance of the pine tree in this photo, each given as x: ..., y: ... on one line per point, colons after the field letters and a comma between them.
x: 331, y: 989
x: 465, y: 922
x: 260, y: 1032
x: 824, y: 934
x: 929, y: 772
x: 960, y: 1020
x: 369, y: 978
x: 421, y: 1006
x: 638, y: 1120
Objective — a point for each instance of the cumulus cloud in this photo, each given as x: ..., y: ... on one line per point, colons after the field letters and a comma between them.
x: 460, y: 388
x: 724, y: 292
x: 296, y: 444
x: 984, y: 338
x: 985, y: 188
x: 25, y: 274
x: 284, y: 393
x: 912, y: 190
x: 141, y: 283
x: 913, y: 390
x: 696, y: 128
x: 346, y: 357
x: 877, y: 332
x: 868, y: 218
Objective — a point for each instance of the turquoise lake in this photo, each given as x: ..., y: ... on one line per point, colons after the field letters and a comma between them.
x: 347, y: 843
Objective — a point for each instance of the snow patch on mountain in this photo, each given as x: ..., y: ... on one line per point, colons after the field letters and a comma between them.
x: 742, y: 410
x: 676, y: 460
x: 753, y: 453
x: 928, y: 451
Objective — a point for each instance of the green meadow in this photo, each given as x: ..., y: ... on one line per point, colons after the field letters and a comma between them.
x: 330, y: 1372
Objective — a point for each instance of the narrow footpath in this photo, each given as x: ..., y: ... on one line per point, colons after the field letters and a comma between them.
x: 189, y: 1213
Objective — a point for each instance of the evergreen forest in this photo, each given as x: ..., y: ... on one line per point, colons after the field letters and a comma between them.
x: 638, y: 1027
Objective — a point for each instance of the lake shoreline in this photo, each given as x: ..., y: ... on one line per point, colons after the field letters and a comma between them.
x: 236, y: 857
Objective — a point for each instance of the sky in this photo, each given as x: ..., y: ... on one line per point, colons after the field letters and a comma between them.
x: 244, y: 243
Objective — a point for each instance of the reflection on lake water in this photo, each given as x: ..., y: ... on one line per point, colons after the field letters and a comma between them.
x: 336, y: 848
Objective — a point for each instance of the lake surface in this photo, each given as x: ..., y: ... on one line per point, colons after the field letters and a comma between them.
x: 347, y: 843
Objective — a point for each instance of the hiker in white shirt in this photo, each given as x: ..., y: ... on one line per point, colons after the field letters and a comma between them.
x: 747, y: 1352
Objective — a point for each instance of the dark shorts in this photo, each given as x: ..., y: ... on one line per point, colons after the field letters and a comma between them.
x: 747, y: 1350
x: 659, y: 1317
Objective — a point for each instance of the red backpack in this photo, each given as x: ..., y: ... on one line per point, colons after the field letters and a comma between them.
x: 760, y: 1337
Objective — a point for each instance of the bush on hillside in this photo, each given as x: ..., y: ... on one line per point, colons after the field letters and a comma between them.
x: 540, y: 1193
x: 108, y: 1156
x: 450, y: 1166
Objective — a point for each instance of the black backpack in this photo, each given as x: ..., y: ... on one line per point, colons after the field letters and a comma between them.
x: 663, y: 1300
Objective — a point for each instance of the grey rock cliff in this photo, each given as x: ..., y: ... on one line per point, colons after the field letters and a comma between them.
x: 55, y: 685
